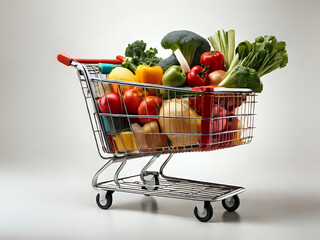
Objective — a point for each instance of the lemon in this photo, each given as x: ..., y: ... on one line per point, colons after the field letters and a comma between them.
x: 121, y: 73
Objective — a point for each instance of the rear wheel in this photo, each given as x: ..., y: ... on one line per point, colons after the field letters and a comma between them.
x: 231, y: 204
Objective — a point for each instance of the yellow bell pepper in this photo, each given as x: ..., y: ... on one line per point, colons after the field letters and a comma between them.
x: 128, y: 143
x: 146, y: 74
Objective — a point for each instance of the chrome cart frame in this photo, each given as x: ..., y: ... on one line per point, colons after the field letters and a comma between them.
x: 154, y: 183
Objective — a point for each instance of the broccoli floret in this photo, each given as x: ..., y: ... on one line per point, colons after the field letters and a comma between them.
x: 167, y: 62
x: 188, y: 42
x: 242, y: 77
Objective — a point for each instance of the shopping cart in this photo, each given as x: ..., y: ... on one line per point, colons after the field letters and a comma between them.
x: 186, y: 120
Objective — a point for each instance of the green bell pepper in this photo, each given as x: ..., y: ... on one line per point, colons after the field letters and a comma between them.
x: 174, y: 77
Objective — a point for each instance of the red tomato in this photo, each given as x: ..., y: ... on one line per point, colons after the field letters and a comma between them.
x: 114, y: 103
x: 157, y: 99
x: 149, y: 106
x: 132, y: 100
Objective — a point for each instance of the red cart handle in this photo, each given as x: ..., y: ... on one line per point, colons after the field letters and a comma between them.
x: 66, y: 60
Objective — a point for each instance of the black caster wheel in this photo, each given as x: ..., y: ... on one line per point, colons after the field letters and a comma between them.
x: 231, y: 204
x: 151, y: 180
x: 206, y: 215
x: 104, y: 200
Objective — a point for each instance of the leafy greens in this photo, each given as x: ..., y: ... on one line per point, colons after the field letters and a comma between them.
x: 136, y: 54
x: 263, y: 56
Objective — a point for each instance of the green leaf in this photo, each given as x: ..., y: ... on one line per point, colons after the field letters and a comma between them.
x: 243, y: 49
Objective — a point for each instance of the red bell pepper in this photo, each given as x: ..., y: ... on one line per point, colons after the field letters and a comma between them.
x: 214, y: 60
x: 197, y: 77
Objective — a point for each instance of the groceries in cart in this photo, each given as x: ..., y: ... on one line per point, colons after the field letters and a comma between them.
x: 186, y: 100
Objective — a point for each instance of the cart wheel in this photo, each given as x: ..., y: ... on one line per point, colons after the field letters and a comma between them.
x: 104, y: 200
x: 151, y: 180
x: 206, y: 215
x: 231, y: 204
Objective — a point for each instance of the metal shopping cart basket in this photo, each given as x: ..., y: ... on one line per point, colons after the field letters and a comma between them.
x: 186, y: 120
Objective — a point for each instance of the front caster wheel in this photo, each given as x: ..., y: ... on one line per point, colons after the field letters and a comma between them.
x: 104, y: 200
x: 151, y: 180
x: 231, y: 204
x: 206, y: 214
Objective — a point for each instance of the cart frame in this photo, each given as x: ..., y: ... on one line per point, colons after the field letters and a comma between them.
x: 149, y: 183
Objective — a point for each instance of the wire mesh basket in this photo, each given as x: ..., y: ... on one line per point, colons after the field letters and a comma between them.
x: 173, y: 119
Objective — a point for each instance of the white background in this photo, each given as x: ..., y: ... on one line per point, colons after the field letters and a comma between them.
x: 47, y: 151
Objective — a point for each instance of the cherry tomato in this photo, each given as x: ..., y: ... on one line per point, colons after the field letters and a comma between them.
x: 114, y: 103
x: 149, y: 106
x: 132, y: 100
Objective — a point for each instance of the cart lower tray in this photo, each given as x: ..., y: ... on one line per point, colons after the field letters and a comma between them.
x: 181, y: 189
